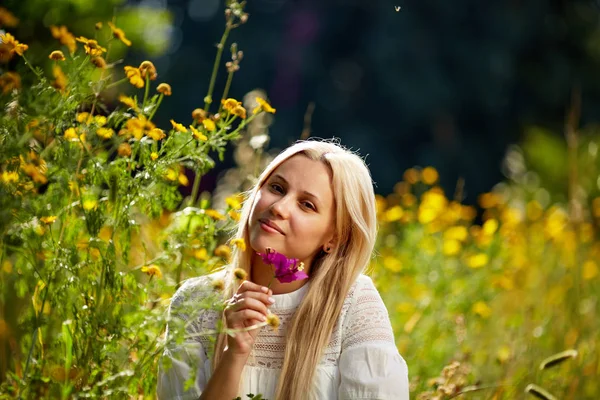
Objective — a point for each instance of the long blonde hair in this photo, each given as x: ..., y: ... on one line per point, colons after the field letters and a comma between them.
x: 331, y: 275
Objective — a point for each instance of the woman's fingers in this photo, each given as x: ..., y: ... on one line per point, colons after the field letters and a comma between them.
x: 250, y: 301
x: 238, y: 318
x: 251, y: 286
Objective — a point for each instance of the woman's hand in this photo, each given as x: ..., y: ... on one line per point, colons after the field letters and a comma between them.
x: 247, y: 307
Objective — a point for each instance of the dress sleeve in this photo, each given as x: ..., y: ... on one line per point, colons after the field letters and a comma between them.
x: 182, y: 367
x: 370, y: 365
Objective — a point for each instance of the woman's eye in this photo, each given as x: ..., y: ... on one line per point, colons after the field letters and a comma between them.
x: 308, y: 204
x: 277, y: 188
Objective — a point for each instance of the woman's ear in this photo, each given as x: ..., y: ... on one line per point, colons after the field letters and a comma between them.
x: 329, y: 246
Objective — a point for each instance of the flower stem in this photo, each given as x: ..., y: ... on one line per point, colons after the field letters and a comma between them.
x: 31, y: 67
x: 146, y: 91
x: 115, y: 83
x: 226, y: 90
x: 156, y: 107
x: 213, y: 77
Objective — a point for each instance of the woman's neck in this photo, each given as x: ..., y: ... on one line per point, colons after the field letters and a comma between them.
x: 262, y: 274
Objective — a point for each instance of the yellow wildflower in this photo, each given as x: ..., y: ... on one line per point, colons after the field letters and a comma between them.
x: 178, y: 127
x: 430, y: 175
x: 148, y: 70
x: 393, y: 214
x: 99, y: 62
x: 198, y: 114
x: 234, y: 201
x: 459, y: 233
x: 9, y: 176
x: 135, y: 76
x: 119, y: 34
x: 234, y: 215
x: 10, y: 81
x: 239, y: 243
x: 218, y: 284
x: 482, y: 309
x: 412, y: 176
x: 64, y: 36
x: 83, y: 117
x: 489, y: 227
x: 478, y: 260
x: 489, y: 200
x: 197, y: 134
x: 89, y: 205
x: 156, y: 134
x: 451, y: 247
x: 152, y: 270
x: 60, y: 79
x: 273, y: 321
x: 214, y: 214
x: 7, y: 18
x: 91, y: 46
x: 223, y: 251
x: 263, y: 106
x: 13, y: 44
x: 201, y: 254
x: 98, y: 26
x: 71, y: 134
x: 124, y: 150
x: 230, y: 104
x: 105, y: 133
x: 164, y: 88
x: 240, y: 274
x: 209, y: 124
x: 128, y: 101
x: 137, y: 127
x: 590, y: 270
x: 153, y: 156
x: 57, y: 55
x: 239, y: 111
x: 100, y: 120
x: 49, y: 219
x: 171, y: 174
x: 183, y: 179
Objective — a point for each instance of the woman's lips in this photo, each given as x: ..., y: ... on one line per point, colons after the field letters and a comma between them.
x: 269, y: 227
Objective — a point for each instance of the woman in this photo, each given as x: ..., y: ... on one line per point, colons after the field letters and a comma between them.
x: 314, y: 202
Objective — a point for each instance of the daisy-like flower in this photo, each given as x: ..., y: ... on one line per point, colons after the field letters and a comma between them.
x: 240, y: 274
x: 148, y: 69
x: 99, y: 62
x: 153, y: 156
x: 197, y: 134
x: 64, y: 36
x: 91, y: 46
x: 60, y: 79
x: 178, y: 127
x: 9, y: 81
x: 105, y: 133
x: 57, y: 55
x: 49, y: 219
x: 164, y: 88
x: 223, y: 251
x: 273, y: 321
x: 124, y: 150
x: 263, y: 106
x: 286, y: 269
x: 230, y: 104
x: 13, y: 44
x: 135, y: 76
x: 156, y: 134
x: 214, y: 214
x: 128, y: 101
x: 198, y: 114
x: 209, y: 124
x: 152, y: 270
x: 218, y: 284
x: 89, y: 205
x: 239, y: 111
x: 119, y: 34
x: 239, y: 243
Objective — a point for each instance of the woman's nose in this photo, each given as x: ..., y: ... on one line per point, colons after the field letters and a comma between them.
x: 281, y: 207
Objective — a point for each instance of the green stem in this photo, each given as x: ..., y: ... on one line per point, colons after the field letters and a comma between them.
x: 213, y: 78
x: 116, y: 83
x: 179, y: 149
x: 31, y: 67
x: 146, y: 91
x: 156, y: 107
x: 226, y: 90
x: 195, y: 188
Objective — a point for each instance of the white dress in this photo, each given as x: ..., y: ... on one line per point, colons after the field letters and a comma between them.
x: 361, y: 360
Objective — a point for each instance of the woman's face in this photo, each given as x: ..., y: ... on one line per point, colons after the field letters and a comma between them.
x: 294, y: 210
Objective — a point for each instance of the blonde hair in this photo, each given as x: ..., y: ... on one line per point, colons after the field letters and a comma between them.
x: 331, y: 275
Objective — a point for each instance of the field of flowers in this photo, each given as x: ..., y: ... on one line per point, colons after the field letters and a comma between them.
x: 499, y: 301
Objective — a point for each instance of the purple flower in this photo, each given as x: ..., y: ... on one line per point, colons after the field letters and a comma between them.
x: 286, y: 269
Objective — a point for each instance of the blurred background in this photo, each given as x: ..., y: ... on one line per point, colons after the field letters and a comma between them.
x: 446, y: 84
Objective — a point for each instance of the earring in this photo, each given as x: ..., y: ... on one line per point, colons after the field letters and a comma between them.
x: 328, y: 249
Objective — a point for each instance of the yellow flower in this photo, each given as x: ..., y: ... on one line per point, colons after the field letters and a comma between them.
x: 263, y: 106
x: 152, y: 270
x: 392, y: 263
x: 148, y: 70
x: 273, y: 321
x: 64, y: 36
x: 240, y: 274
x: 197, y: 134
x: 482, y: 309
x: 451, y: 247
x: 119, y: 34
x: 105, y: 133
x: 171, y: 175
x: 459, y: 233
x: 393, y: 214
x: 234, y: 201
x: 156, y: 134
x: 137, y: 127
x: 239, y: 111
x: 218, y: 284
x: 239, y: 243
x: 590, y: 270
x: 13, y: 44
x: 478, y: 260
x: 183, y: 179
x: 124, y: 150
x: 7, y: 18
x: 234, y: 215
x: 71, y: 134
x: 411, y: 176
x: 178, y: 127
x: 198, y: 114
x: 10, y: 81
x: 49, y: 219
x: 230, y: 104
x: 223, y: 251
x: 214, y: 214
x: 135, y: 76
x: 83, y: 117
x: 490, y: 227
x: 100, y: 120
x: 57, y: 55
x: 91, y: 46
x: 89, y: 205
x: 489, y: 200
x: 9, y: 177
x: 128, y: 101
x: 430, y: 175
x: 153, y: 156
x: 60, y: 79
x: 209, y: 124
x: 201, y: 254
x: 98, y: 26
x: 99, y: 62
x: 164, y: 88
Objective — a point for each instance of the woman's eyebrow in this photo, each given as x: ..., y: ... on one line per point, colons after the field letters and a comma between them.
x: 309, y: 194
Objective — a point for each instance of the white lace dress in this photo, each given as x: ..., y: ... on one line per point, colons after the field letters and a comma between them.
x: 360, y: 362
